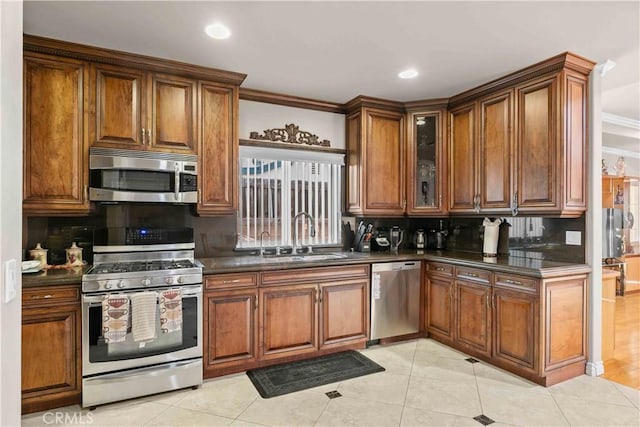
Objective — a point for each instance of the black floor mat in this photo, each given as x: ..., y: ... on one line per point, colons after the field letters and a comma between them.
x: 295, y: 376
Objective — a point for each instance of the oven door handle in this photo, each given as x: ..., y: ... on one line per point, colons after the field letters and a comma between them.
x: 187, y: 291
x: 177, y: 181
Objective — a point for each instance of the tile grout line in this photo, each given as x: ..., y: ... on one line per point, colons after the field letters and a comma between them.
x: 406, y: 393
x: 475, y: 378
x: 325, y: 407
x: 559, y: 407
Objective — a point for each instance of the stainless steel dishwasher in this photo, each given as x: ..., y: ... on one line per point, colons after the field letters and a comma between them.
x: 395, y: 299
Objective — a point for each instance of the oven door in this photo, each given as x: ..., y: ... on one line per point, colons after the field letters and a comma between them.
x: 99, y: 357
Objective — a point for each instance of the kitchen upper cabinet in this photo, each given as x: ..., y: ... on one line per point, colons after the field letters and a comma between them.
x: 481, y: 135
x: 426, y: 163
x: 376, y: 172
x: 55, y: 149
x: 531, y: 142
x: 218, y: 148
x: 139, y: 110
x: 51, y: 357
x: 463, y: 194
x: 120, y: 107
x: 495, y: 146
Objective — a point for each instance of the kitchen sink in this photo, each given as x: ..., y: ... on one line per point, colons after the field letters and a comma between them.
x: 305, y: 257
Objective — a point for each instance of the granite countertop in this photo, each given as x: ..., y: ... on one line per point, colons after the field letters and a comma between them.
x: 253, y: 263
x: 64, y: 276
x: 537, y: 268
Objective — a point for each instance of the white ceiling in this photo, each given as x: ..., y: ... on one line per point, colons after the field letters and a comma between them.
x: 336, y: 50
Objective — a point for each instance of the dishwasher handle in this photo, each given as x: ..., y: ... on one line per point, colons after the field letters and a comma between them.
x: 395, y: 266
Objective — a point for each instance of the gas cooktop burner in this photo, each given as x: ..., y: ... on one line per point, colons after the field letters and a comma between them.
x: 129, y: 267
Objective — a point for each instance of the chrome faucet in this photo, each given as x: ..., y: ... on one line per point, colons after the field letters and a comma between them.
x: 312, y: 232
x: 261, y: 236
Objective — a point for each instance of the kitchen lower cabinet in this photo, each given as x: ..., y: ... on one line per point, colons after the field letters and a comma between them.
x: 344, y: 312
x: 535, y: 328
x: 230, y: 329
x: 258, y: 319
x: 439, y: 307
x: 515, y: 319
x: 473, y: 317
x: 51, y: 347
x: 289, y: 320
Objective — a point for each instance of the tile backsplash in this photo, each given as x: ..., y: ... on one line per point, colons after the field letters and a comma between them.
x: 533, y: 237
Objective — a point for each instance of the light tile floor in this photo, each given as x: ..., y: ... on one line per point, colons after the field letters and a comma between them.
x: 425, y: 384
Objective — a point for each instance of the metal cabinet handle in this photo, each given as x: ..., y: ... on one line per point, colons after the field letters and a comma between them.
x: 487, y: 301
x: 470, y: 274
x: 439, y: 268
x: 256, y: 303
x: 143, y: 135
x: 231, y: 281
x: 149, y: 137
x: 41, y: 297
x: 513, y: 282
x: 514, y: 204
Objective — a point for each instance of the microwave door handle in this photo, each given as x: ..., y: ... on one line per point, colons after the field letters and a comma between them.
x: 177, y: 181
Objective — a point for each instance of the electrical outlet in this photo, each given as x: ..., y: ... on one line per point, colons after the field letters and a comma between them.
x: 10, y: 280
x: 573, y: 238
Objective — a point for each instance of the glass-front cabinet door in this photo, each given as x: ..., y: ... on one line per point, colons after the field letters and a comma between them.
x: 426, y: 164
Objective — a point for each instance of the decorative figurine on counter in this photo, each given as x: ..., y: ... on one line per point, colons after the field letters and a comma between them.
x: 604, y: 168
x: 620, y: 166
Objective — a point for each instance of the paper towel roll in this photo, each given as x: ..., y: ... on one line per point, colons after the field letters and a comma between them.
x: 491, y: 235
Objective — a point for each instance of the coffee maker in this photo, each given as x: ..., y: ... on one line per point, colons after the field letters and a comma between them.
x: 419, y: 240
x: 395, y: 237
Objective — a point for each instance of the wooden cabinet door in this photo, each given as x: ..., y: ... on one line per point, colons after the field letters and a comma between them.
x: 218, y: 148
x: 384, y: 170
x: 426, y: 164
x: 440, y: 306
x: 51, y: 375
x: 173, y: 123
x: 230, y: 329
x: 473, y: 316
x: 55, y: 151
x: 120, y: 96
x: 288, y: 320
x: 515, y: 320
x: 462, y: 159
x: 495, y: 145
x: 344, y: 312
x: 537, y: 146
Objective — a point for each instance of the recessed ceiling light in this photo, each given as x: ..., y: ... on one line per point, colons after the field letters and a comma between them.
x: 408, y: 74
x: 218, y: 31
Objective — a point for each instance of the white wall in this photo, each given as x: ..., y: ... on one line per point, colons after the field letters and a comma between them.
x: 259, y: 116
x: 10, y: 204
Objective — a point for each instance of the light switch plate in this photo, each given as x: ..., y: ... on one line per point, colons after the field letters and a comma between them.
x: 573, y: 238
x: 10, y: 280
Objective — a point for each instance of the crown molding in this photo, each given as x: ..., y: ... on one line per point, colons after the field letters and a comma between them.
x: 620, y: 121
x: 620, y: 152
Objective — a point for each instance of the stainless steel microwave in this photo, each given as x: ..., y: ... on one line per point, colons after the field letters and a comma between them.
x: 142, y: 176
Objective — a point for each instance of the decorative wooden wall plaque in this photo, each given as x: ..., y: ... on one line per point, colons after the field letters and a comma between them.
x: 290, y: 134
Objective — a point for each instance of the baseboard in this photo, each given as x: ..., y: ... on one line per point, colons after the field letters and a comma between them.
x: 594, y: 369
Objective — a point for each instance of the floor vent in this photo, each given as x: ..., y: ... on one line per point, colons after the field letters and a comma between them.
x: 333, y: 394
x: 483, y: 419
x: 472, y: 360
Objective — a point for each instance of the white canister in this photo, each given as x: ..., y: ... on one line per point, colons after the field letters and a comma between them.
x: 74, y: 255
x: 491, y: 235
x: 39, y: 254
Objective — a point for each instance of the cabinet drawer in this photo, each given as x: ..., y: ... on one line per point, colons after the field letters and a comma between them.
x: 516, y: 282
x: 222, y: 281
x: 50, y: 295
x: 440, y: 268
x: 315, y: 274
x: 473, y: 274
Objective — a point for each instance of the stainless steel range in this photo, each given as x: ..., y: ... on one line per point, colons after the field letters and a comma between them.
x: 141, y: 315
